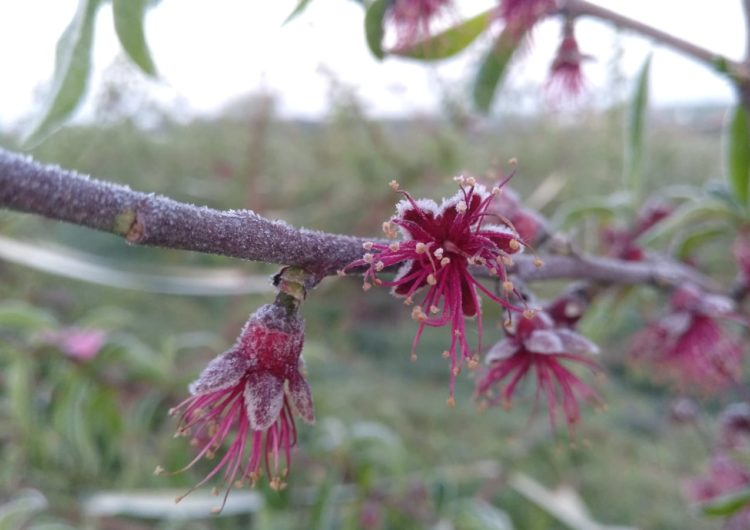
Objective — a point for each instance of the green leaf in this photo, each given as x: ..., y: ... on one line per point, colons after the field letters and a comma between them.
x: 19, y: 315
x: 684, y: 215
x: 700, y: 236
x: 727, y: 504
x: 129, y: 15
x: 492, y: 69
x: 634, y: 133
x: 72, y: 67
x: 449, y: 42
x: 737, y: 141
x: 301, y: 6
x: 374, y: 31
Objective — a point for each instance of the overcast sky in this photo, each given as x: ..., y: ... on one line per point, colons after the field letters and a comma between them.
x: 209, y: 52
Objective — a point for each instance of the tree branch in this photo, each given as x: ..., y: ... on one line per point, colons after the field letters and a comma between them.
x: 713, y: 60
x: 149, y: 219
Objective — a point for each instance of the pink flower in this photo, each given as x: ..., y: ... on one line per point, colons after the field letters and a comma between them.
x: 734, y: 427
x: 566, y: 75
x: 241, y: 398
x: 531, y: 226
x: 439, y: 245
x: 726, y: 476
x: 412, y: 19
x: 81, y: 344
x: 690, y: 344
x: 621, y: 243
x: 521, y: 15
x: 536, y: 346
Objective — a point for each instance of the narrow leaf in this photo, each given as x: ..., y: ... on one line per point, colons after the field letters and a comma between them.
x: 374, y: 31
x: 301, y: 6
x: 634, y: 133
x: 129, y: 16
x: 492, y: 69
x: 737, y: 141
x: 449, y: 42
x: 727, y: 504
x: 72, y: 67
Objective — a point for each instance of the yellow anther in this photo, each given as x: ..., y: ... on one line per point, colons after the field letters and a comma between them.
x: 461, y: 206
x: 413, y: 357
x: 456, y: 370
x: 538, y: 263
x: 379, y: 266
x: 460, y: 179
x: 431, y: 279
x: 471, y: 181
x: 439, y: 253
x: 446, y: 354
x: 450, y: 402
x: 434, y: 309
x: 418, y: 314
x: 366, y: 286
x: 393, y: 185
x: 394, y: 246
x: 367, y: 245
x: 496, y: 191
x: 507, y: 261
x: 514, y: 244
x: 158, y: 471
x: 472, y: 363
x: 529, y: 313
x: 513, y: 162
x: 368, y: 258
x: 508, y: 286
x: 340, y: 273
x: 445, y: 261
x: 408, y: 300
x: 420, y: 248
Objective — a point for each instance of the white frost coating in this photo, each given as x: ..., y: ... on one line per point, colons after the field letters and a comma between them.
x: 716, y: 305
x: 264, y: 397
x: 403, y: 270
x: 502, y: 350
x: 224, y: 371
x: 576, y: 343
x: 544, y: 341
x: 676, y: 324
x: 451, y: 201
x: 301, y: 398
x: 500, y: 229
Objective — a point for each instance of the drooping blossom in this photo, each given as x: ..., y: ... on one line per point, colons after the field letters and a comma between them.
x: 689, y: 343
x: 245, y: 398
x: 566, y: 75
x: 725, y: 476
x: 81, y: 344
x: 734, y: 427
x: 621, y: 242
x: 531, y: 226
x: 521, y: 15
x: 535, y: 349
x: 413, y: 19
x: 439, y: 245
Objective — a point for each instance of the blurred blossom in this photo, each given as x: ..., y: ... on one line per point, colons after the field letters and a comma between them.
x: 568, y: 309
x: 690, y: 344
x: 81, y: 344
x: 521, y: 15
x: 725, y: 476
x: 621, y: 243
x: 439, y: 245
x: 565, y: 75
x: 734, y: 427
x: 531, y: 226
x: 535, y: 346
x: 246, y: 395
x: 371, y: 514
x: 412, y: 19
x: 683, y: 410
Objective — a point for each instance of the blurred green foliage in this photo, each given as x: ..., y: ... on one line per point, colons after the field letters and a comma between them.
x: 386, y: 451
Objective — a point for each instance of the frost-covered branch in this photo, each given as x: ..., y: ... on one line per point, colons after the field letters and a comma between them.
x: 150, y: 219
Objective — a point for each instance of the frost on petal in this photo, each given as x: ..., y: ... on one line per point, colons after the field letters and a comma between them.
x: 544, y: 341
x: 501, y: 350
x: 676, y: 324
x: 264, y: 396
x: 576, y: 343
x: 301, y: 397
x: 222, y: 372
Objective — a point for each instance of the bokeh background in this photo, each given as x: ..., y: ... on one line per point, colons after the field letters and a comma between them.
x: 80, y: 438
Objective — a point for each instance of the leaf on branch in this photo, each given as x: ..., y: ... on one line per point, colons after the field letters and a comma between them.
x: 374, y: 30
x: 129, y: 16
x: 737, y: 141
x: 634, y: 133
x: 493, y: 68
x: 72, y: 67
x: 449, y: 42
x: 301, y: 6
x: 727, y: 504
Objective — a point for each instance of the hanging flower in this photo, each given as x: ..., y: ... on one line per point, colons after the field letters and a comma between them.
x: 240, y: 399
x: 690, y: 344
x: 535, y: 347
x: 621, y: 242
x: 439, y: 245
x: 412, y: 19
x: 566, y: 76
x: 521, y: 15
x: 726, y: 476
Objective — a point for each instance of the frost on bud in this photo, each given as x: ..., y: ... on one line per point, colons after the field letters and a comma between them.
x: 244, y: 400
